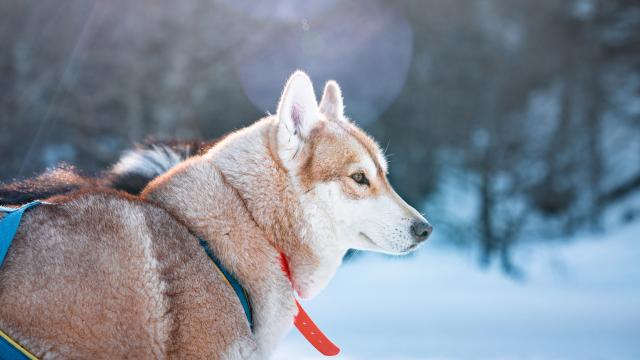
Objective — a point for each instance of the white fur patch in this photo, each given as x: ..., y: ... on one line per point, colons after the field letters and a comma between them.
x: 148, y: 162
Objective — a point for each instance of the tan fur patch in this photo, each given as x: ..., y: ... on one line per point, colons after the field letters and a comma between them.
x: 329, y: 155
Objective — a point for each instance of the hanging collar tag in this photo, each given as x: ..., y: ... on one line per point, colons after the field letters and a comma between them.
x: 312, y: 333
x: 306, y: 326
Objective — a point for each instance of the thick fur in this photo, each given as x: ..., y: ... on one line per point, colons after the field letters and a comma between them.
x: 104, y: 274
x: 139, y: 286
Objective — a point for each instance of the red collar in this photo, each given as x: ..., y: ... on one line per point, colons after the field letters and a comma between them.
x: 305, y: 325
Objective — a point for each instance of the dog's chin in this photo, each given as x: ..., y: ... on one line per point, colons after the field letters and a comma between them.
x: 381, y: 248
x: 411, y: 248
x: 406, y: 251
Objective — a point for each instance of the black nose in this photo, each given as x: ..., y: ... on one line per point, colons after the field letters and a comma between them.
x: 421, y: 230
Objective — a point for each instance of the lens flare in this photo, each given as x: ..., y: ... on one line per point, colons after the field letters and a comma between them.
x: 363, y: 45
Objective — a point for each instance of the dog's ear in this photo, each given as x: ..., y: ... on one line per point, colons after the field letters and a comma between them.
x: 297, y: 114
x: 331, y: 104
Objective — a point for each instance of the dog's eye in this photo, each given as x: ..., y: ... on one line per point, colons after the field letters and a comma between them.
x: 360, y: 178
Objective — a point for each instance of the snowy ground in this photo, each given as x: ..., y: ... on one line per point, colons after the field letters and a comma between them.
x: 579, y: 300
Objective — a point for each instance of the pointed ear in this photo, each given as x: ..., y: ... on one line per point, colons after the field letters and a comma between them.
x: 331, y: 104
x: 297, y: 114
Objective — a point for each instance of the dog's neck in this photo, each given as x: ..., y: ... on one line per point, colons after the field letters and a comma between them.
x: 248, y: 165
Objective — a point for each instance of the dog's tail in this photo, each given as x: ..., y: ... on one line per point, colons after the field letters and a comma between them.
x: 137, y: 167
x: 131, y: 173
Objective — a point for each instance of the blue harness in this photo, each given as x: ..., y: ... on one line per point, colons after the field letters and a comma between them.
x: 9, y: 348
x: 12, y: 350
x: 240, y: 291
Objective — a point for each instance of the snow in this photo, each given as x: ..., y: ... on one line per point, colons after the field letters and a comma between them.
x: 579, y: 299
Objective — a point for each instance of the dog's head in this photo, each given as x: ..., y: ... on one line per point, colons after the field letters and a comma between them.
x: 343, y: 175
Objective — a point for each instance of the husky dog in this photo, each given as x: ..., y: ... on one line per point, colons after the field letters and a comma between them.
x: 105, y: 274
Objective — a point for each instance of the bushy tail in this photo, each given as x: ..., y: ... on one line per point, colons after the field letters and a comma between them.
x: 137, y: 167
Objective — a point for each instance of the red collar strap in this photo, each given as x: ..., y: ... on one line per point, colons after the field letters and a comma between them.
x: 305, y: 325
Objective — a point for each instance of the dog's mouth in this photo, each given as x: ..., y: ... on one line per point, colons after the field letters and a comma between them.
x: 410, y: 248
x: 405, y: 251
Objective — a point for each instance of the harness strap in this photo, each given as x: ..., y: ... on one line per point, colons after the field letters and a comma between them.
x: 12, y: 350
x: 9, y: 348
x: 9, y: 225
x: 235, y: 285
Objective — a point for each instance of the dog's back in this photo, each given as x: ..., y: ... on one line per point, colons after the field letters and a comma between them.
x: 131, y: 173
x: 63, y: 179
x: 103, y: 275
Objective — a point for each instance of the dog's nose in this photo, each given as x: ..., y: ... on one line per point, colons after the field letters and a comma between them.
x: 421, y: 230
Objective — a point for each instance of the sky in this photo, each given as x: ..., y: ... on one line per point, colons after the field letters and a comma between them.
x: 578, y: 300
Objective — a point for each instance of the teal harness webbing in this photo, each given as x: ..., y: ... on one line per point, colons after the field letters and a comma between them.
x: 9, y: 225
x: 240, y: 291
x: 9, y: 348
